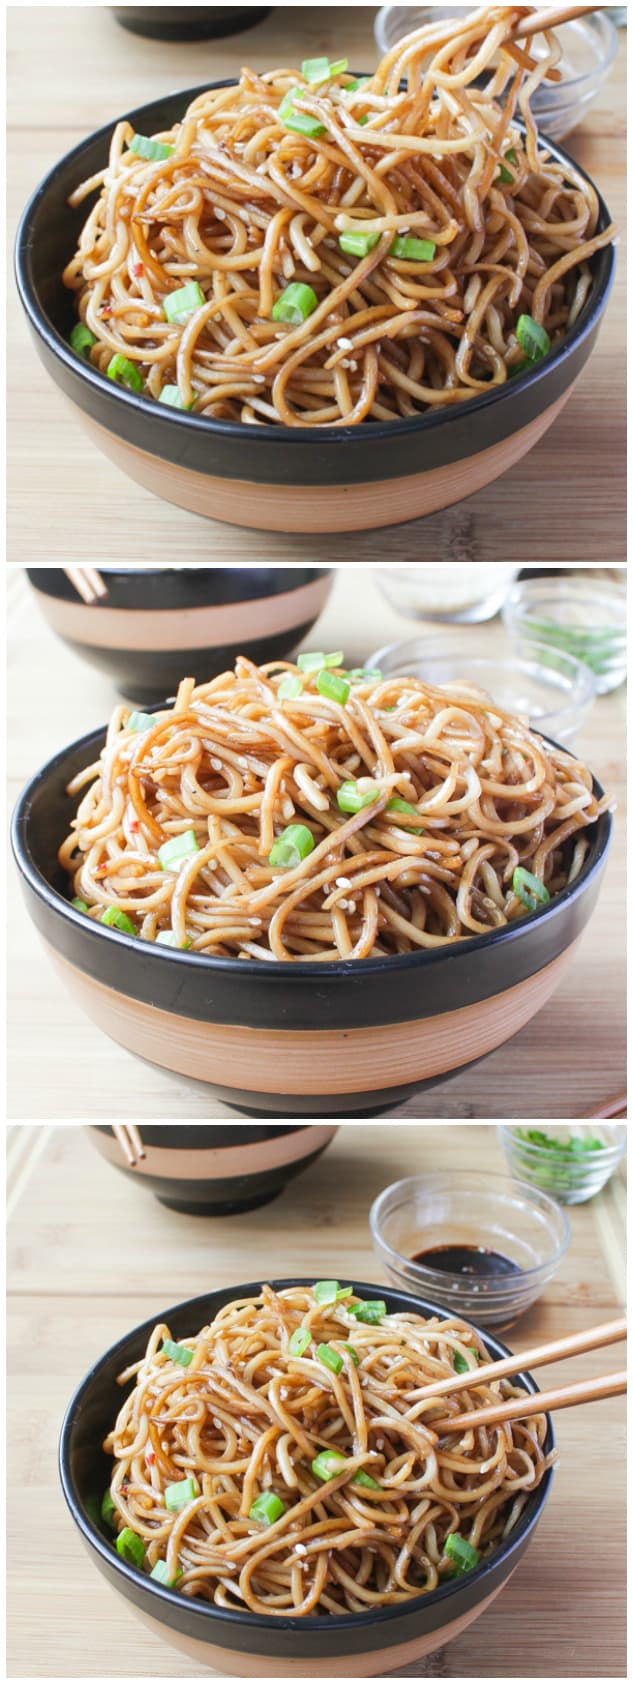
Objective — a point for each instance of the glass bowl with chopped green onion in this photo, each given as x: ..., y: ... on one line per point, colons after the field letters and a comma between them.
x: 570, y: 1162
x: 575, y: 615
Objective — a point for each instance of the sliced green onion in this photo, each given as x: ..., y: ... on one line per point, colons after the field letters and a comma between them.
x: 131, y: 1547
x: 357, y: 675
x: 182, y: 1492
x: 504, y: 174
x: 351, y: 799
x: 397, y: 805
x: 178, y: 848
x: 178, y: 1353
x: 354, y: 1355
x: 168, y: 938
x: 362, y: 1478
x: 358, y: 244
x: 325, y: 1292
x: 299, y: 1342
x: 328, y: 1464
x: 372, y: 1311
x: 533, y: 338
x: 108, y: 1510
x: 161, y: 1573
x: 300, y: 122
x: 458, y: 1549
x: 125, y: 373
x: 152, y: 149
x: 81, y: 905
x: 320, y: 69
x: 293, y: 846
x: 529, y: 889
x: 290, y: 687
x: 344, y: 1292
x: 141, y: 721
x: 460, y: 1364
x: 295, y: 303
x: 331, y: 1358
x: 177, y: 306
x: 267, y: 1507
x: 82, y: 340
x: 329, y: 684
x: 172, y: 395
x: 414, y: 251
x: 357, y: 85
x: 119, y: 920
x: 314, y: 659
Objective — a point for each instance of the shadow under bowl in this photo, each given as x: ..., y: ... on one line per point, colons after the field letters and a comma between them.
x: 262, y: 1645
x: 159, y: 623
x: 301, y: 1039
x: 283, y: 479
x: 216, y: 1169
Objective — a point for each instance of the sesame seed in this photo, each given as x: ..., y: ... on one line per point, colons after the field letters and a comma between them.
x: 345, y: 344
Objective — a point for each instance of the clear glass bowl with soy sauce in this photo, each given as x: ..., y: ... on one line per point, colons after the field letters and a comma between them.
x: 479, y: 1246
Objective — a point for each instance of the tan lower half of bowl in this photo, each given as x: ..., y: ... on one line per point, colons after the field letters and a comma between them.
x: 220, y: 1163
x: 370, y: 1663
x: 205, y: 627
x: 323, y: 508
x: 313, y: 1062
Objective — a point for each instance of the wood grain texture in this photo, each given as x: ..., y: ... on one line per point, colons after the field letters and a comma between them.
x: 74, y: 1288
x: 565, y: 501
x: 563, y: 1064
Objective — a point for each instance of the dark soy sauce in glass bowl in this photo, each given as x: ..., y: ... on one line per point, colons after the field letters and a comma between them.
x: 479, y: 1261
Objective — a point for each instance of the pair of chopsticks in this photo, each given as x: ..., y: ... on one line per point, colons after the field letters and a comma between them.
x: 615, y: 1107
x: 548, y: 17
x: 530, y: 1403
x: 129, y: 1139
x: 87, y: 582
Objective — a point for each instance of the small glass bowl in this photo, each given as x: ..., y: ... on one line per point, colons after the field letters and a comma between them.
x: 549, y: 689
x: 467, y: 1207
x: 584, y: 617
x: 455, y: 593
x: 589, y: 47
x: 569, y: 1180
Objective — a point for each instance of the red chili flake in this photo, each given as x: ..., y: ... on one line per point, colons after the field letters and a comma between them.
x: 134, y: 824
x: 151, y: 1456
x: 138, y: 268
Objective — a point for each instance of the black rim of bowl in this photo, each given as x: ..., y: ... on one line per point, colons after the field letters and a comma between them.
x: 600, y: 836
x: 307, y: 1623
x: 299, y: 437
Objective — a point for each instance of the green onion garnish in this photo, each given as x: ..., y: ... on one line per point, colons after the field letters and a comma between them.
x: 458, y: 1549
x: 351, y: 799
x: 362, y: 1478
x: 358, y: 244
x: 332, y: 1359
x: 504, y: 174
x: 125, y: 373
x: 152, y: 149
x: 328, y: 1464
x: 372, y: 1311
x: 108, y: 1510
x: 178, y: 1353
x: 267, y: 1507
x: 178, y: 848
x: 141, y: 721
x: 357, y: 85
x: 295, y: 303
x: 82, y: 340
x: 172, y: 395
x: 529, y: 889
x: 290, y: 687
x: 325, y: 1292
x: 81, y: 905
x: 354, y: 1355
x: 334, y: 688
x: 299, y: 1342
x: 314, y: 659
x: 414, y: 251
x: 161, y: 1573
x: 168, y: 938
x: 533, y: 338
x: 182, y: 1492
x: 181, y: 304
x: 131, y: 1547
x: 299, y: 121
x: 460, y: 1364
x: 118, y: 920
x: 357, y: 675
x: 320, y: 69
x: 293, y: 846
x: 572, y: 1147
x: 397, y: 805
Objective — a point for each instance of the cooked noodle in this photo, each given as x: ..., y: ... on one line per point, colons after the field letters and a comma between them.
x: 245, y: 206
x: 233, y: 765
x: 246, y: 1417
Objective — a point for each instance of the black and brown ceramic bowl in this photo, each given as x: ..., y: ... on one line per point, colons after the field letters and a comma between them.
x: 157, y: 623
x: 299, y: 1039
x: 283, y: 479
x: 217, y: 1169
x: 261, y: 1645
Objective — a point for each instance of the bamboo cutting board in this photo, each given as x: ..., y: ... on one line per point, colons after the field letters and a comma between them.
x: 91, y: 1255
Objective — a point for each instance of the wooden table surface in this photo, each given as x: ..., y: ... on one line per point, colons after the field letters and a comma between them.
x: 91, y: 1255
x: 72, y: 69
x: 562, y: 1064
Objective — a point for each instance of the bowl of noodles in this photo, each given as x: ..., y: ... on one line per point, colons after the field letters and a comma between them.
x: 316, y: 301
x: 305, y: 1527
x: 315, y: 889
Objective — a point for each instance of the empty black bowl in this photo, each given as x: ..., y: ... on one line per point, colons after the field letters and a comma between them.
x: 217, y: 1169
x: 292, y: 479
x: 158, y: 623
x: 299, y: 1039
x: 262, y: 1645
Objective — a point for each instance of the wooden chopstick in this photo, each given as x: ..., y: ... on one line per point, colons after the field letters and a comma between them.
x: 548, y: 17
x: 608, y: 1333
x: 535, y: 1403
x: 87, y: 582
x: 615, y: 1107
x: 129, y: 1140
